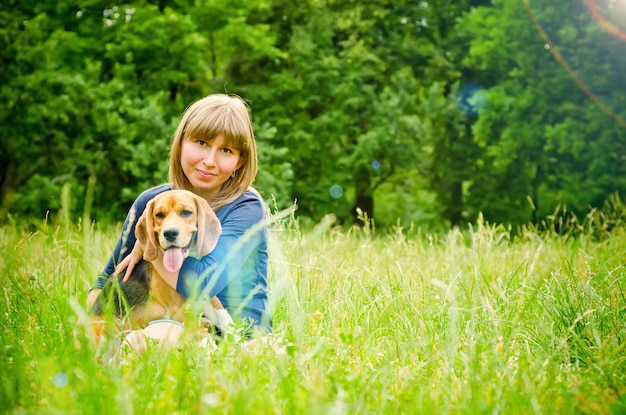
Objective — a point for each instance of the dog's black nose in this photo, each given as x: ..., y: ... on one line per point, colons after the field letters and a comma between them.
x: 170, y: 234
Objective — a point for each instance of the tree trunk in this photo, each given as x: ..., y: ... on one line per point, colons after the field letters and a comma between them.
x: 7, y: 184
x: 363, y: 194
x: 455, y: 207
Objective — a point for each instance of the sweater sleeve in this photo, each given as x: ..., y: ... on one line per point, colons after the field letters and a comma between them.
x: 243, y: 231
x: 126, y: 241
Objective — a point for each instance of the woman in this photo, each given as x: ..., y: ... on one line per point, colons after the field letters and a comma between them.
x: 214, y: 155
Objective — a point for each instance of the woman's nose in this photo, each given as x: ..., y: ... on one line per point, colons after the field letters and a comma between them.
x: 209, y: 158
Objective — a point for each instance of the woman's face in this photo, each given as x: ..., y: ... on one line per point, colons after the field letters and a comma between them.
x: 208, y: 165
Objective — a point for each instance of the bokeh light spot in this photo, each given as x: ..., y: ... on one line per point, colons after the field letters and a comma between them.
x: 336, y: 191
x: 472, y: 99
x: 60, y: 380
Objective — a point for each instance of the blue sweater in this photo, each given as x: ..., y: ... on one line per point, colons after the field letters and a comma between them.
x: 235, y: 271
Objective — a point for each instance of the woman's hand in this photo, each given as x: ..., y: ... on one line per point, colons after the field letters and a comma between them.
x: 136, y: 255
x: 129, y: 262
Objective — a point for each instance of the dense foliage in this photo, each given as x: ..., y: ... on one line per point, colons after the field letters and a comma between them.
x: 418, y: 112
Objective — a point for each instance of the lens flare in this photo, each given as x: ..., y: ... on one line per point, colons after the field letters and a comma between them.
x: 604, y: 21
x: 551, y: 47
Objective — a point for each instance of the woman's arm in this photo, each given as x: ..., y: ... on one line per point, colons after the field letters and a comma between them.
x: 123, y: 247
x: 126, y: 241
x: 243, y: 231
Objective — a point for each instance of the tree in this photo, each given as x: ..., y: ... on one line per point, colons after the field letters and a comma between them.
x: 449, y: 102
x: 93, y: 94
x: 544, y: 135
x: 343, y: 101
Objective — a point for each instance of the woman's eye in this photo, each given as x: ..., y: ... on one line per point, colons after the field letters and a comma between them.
x: 230, y: 150
x: 201, y: 142
x: 185, y: 213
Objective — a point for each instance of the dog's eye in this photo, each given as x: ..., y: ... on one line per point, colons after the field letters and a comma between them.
x: 185, y: 213
x: 159, y: 215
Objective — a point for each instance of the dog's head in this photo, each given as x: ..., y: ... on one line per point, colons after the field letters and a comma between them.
x: 176, y: 222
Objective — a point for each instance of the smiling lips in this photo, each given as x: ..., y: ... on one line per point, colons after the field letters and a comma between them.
x: 206, y: 175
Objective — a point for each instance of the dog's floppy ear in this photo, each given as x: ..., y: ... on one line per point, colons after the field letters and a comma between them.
x: 144, y: 232
x: 209, y: 228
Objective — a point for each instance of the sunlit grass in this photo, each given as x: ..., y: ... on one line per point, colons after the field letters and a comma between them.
x: 468, y: 322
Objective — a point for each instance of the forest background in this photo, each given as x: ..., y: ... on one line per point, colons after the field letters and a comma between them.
x: 418, y: 113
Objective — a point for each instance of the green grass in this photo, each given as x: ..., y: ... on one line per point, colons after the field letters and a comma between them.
x: 401, y: 323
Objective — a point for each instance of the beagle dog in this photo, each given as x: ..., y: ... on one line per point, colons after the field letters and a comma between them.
x: 174, y: 225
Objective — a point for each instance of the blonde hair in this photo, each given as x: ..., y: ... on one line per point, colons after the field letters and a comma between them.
x: 206, y: 119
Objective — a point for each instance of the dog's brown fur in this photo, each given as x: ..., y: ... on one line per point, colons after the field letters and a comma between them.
x: 146, y: 296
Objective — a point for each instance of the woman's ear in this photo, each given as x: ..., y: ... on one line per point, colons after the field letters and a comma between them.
x: 144, y: 232
x: 209, y: 228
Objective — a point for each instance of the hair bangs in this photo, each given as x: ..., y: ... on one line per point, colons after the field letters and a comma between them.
x: 208, y: 124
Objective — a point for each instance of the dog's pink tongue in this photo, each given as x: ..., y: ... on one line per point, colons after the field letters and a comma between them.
x: 173, y: 259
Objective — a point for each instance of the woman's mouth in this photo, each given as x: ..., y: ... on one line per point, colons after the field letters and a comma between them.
x: 205, y: 175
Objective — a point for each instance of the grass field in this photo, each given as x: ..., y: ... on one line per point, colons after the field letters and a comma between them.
x: 403, y: 323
